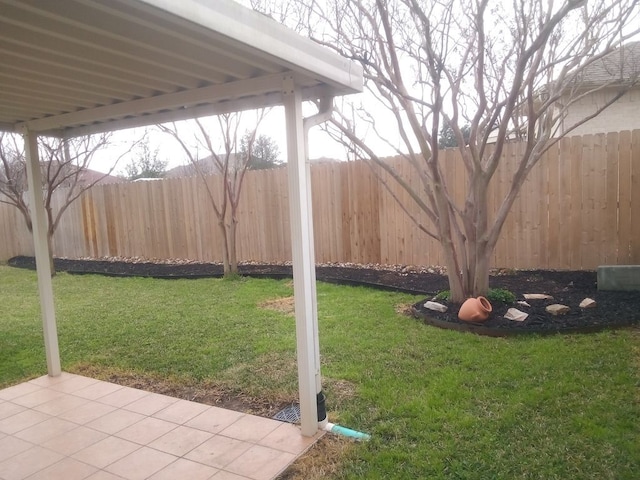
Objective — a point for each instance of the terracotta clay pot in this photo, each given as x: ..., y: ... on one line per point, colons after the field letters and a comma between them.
x: 475, y: 310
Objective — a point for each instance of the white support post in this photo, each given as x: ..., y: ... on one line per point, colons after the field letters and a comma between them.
x: 39, y: 222
x: 303, y: 259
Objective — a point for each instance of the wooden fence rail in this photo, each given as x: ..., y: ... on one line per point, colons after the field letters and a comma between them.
x: 579, y: 208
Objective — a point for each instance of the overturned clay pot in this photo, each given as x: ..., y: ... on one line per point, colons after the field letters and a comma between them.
x: 475, y: 310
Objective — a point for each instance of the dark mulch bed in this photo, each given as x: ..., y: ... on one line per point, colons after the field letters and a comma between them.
x: 614, y: 309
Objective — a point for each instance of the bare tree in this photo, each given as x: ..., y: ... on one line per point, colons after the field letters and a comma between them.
x: 231, y: 158
x: 64, y: 169
x: 508, y: 70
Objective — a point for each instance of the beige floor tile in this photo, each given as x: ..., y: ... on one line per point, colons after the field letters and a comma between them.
x: 146, y: 430
x: 181, y: 412
x: 18, y: 390
x: 106, y: 451
x: 115, y: 421
x: 74, y: 440
x: 261, y: 463
x: 36, y: 398
x: 27, y: 463
x: 184, y: 469
x: 151, y: 403
x: 102, y: 475
x: 47, y: 381
x: 73, y: 384
x: 214, y: 419
x: 61, y: 404
x: 87, y: 413
x: 22, y: 420
x: 251, y: 428
x: 287, y: 437
x: 74, y: 419
x: 141, y: 464
x: 66, y: 469
x: 218, y: 451
x: 181, y: 440
x: 10, y: 446
x: 8, y: 408
x: 46, y: 430
x: 123, y: 396
x: 222, y: 475
x: 97, y: 390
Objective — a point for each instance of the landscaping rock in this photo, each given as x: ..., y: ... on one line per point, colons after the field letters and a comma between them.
x: 537, y: 296
x: 524, y: 304
x: 435, y: 306
x: 557, y: 309
x: 588, y: 303
x: 516, y: 315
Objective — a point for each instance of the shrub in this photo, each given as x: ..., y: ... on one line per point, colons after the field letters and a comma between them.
x: 494, y: 295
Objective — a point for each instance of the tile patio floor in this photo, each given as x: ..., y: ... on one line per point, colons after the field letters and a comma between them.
x: 74, y: 428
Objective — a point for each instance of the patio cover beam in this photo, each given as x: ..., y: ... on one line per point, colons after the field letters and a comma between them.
x: 180, y: 100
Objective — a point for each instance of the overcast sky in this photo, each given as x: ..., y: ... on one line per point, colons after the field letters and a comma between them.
x: 273, y: 125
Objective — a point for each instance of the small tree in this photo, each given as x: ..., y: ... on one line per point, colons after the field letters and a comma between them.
x: 146, y: 163
x: 507, y: 70
x: 231, y: 160
x: 448, y: 138
x: 264, y: 154
x: 63, y: 166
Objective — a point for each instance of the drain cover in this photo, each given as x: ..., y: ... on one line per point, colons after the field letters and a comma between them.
x: 290, y: 414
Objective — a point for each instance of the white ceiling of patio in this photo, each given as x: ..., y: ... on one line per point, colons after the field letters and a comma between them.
x: 71, y: 67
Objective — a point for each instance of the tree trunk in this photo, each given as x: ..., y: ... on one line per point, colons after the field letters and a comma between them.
x: 233, y: 256
x: 225, y: 248
x: 473, y: 281
x: 467, y: 255
x: 456, y: 289
x: 481, y: 277
x: 50, y: 248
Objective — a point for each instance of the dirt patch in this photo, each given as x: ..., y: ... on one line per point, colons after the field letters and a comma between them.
x: 322, y: 460
x: 283, y: 305
x: 208, y: 393
x: 405, y: 309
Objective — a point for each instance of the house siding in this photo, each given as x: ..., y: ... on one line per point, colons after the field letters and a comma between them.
x: 624, y: 114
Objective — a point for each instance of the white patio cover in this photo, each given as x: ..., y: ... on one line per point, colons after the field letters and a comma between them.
x: 75, y: 67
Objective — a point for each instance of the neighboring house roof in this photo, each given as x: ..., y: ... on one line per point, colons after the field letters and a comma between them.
x: 206, y: 165
x: 619, y: 68
x: 621, y: 64
x: 88, y: 176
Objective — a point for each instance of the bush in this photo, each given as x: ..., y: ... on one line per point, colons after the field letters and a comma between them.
x: 494, y: 295
x: 500, y: 295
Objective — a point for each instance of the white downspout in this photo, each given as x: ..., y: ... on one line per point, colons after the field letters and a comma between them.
x: 41, y: 246
x: 324, y: 113
x: 312, y: 408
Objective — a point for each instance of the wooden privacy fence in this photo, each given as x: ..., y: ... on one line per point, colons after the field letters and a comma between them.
x: 579, y: 208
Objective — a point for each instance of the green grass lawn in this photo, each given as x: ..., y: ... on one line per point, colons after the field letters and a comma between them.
x: 439, y: 404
